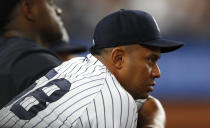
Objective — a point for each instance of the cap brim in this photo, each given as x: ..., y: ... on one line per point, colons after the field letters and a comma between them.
x: 164, y: 45
x: 66, y: 47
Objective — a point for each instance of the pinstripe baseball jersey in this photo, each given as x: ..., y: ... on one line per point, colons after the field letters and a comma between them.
x: 80, y: 93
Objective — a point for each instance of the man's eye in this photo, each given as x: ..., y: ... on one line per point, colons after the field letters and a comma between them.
x: 151, y: 59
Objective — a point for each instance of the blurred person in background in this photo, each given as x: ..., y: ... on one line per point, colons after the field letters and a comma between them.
x: 63, y: 48
x: 24, y: 26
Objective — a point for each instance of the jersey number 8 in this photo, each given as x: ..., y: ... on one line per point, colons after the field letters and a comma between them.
x: 27, y: 107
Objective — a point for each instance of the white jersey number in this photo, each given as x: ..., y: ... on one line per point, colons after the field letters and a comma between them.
x: 27, y: 107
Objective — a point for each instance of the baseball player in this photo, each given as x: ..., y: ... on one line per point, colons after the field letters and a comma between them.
x: 24, y: 26
x: 105, y: 89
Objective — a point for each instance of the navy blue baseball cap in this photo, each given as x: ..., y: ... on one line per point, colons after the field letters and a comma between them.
x: 126, y: 27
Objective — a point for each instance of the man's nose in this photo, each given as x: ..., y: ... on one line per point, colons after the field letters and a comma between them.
x: 156, y: 72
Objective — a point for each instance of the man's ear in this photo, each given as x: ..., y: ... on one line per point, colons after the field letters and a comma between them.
x: 118, y: 55
x: 28, y: 10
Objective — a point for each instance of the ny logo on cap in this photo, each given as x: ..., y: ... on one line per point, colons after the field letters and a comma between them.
x: 156, y: 24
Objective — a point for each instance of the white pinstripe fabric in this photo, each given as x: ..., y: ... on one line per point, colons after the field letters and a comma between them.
x: 94, y: 100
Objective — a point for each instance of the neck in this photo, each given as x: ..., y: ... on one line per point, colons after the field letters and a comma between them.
x: 105, y: 60
x: 14, y: 33
x: 20, y: 27
x: 21, y: 33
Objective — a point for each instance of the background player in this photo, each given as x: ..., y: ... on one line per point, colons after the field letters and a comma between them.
x: 24, y: 25
x: 104, y: 89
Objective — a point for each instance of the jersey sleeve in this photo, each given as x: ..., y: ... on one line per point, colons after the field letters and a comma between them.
x: 140, y: 102
x: 32, y: 66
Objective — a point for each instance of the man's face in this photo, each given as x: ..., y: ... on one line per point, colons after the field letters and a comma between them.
x: 49, y: 23
x: 140, y: 70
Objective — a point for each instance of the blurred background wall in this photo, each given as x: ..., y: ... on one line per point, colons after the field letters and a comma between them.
x: 184, y: 88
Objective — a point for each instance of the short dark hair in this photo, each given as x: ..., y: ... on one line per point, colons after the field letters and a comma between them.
x: 94, y: 51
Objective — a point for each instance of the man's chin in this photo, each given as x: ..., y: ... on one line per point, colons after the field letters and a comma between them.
x: 143, y: 96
